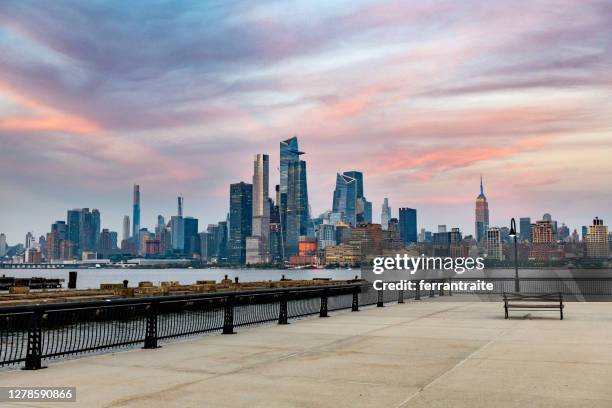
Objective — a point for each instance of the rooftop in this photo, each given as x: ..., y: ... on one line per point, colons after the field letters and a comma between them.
x: 439, y: 353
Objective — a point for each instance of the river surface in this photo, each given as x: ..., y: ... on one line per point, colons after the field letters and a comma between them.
x: 92, y: 278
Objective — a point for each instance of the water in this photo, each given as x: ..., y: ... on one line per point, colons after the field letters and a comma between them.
x: 92, y: 278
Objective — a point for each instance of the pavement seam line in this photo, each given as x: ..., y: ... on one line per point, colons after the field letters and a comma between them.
x: 456, y: 366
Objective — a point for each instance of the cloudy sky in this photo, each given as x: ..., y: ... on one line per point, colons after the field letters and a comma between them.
x: 423, y: 96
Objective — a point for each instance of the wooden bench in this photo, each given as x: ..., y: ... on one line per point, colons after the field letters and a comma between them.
x: 544, y: 302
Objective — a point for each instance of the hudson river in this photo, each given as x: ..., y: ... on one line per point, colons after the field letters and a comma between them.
x: 92, y: 278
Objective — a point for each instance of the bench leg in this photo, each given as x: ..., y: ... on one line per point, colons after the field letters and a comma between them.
x: 561, y: 311
x: 506, y: 310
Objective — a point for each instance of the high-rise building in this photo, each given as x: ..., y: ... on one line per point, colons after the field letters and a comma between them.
x: 525, y: 229
x: 482, y: 214
x: 30, y: 241
x: 385, y: 214
x: 298, y: 215
x: 222, y: 239
x: 494, y: 244
x: 345, y: 198
x: 3, y: 246
x: 597, y: 240
x: 126, y: 228
x: 542, y: 232
x: 136, y: 213
x: 241, y: 210
x: 177, y: 231
x: 73, y: 219
x: 289, y: 153
x: 191, y: 237
x: 261, y: 209
x: 326, y: 236
x: 363, y: 207
x: 408, y: 225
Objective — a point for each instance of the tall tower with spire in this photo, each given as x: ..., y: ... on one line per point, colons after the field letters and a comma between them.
x: 482, y: 214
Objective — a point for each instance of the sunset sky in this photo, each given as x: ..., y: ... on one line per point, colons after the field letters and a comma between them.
x: 422, y: 96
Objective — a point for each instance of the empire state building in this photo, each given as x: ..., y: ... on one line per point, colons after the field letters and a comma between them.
x: 482, y: 215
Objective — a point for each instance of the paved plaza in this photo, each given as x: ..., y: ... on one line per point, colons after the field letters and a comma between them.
x: 420, y: 354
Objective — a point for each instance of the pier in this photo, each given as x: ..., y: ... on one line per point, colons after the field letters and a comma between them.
x: 432, y: 353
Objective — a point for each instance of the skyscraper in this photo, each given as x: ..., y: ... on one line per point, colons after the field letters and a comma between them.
x: 363, y: 208
x: 297, y: 207
x: 289, y: 153
x: 2, y: 245
x: 73, y: 219
x: 482, y: 215
x: 525, y: 228
x: 408, y: 225
x: 261, y: 209
x: 241, y: 210
x: 385, y: 214
x: 126, y: 228
x: 597, y: 240
x: 136, y: 213
x: 494, y: 244
x: 191, y: 238
x: 345, y: 198
x: 177, y: 228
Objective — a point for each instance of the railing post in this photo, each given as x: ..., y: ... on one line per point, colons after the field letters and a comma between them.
x: 432, y: 292
x: 441, y: 287
x: 33, y: 359
x: 450, y: 286
x: 151, y: 333
x: 380, y: 302
x: 355, y: 305
x: 228, y: 316
x: 400, y: 296
x: 323, y: 311
x: 417, y: 295
x: 282, y: 313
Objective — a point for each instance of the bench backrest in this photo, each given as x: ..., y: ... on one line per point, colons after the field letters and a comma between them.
x: 546, y: 297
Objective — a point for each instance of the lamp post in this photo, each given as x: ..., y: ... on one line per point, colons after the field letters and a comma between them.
x: 516, y: 275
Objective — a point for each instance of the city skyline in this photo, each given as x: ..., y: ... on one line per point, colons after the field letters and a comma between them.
x: 421, y: 99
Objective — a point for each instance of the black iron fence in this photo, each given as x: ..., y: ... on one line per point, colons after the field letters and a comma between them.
x: 31, y: 334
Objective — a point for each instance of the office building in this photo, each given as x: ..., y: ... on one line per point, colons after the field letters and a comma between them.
x: 289, y: 154
x: 525, y: 229
x: 482, y: 214
x: 298, y: 216
x: 408, y: 225
x: 126, y: 228
x: 385, y: 214
x: 494, y: 244
x: 3, y: 245
x: 345, y: 198
x: 597, y: 240
x: 136, y: 212
x: 241, y: 210
x: 191, y: 239
x: 261, y: 210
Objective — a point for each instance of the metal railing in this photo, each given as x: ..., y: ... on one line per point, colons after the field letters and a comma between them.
x: 573, y: 287
x: 31, y: 334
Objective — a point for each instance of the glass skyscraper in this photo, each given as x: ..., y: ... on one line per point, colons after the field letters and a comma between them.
x: 297, y: 206
x: 525, y: 228
x: 241, y: 210
x: 345, y: 198
x: 408, y: 225
x: 190, y: 240
x: 136, y: 213
x: 289, y: 153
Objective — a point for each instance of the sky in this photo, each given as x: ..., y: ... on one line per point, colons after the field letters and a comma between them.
x: 422, y: 96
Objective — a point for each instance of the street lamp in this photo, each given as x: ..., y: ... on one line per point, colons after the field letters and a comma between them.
x: 513, y: 235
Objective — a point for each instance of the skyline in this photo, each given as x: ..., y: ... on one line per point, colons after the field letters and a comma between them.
x: 422, y: 99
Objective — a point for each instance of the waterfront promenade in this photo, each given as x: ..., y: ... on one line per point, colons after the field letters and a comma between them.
x: 433, y: 353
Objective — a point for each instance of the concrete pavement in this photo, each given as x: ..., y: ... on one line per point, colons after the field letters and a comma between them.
x: 419, y: 354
